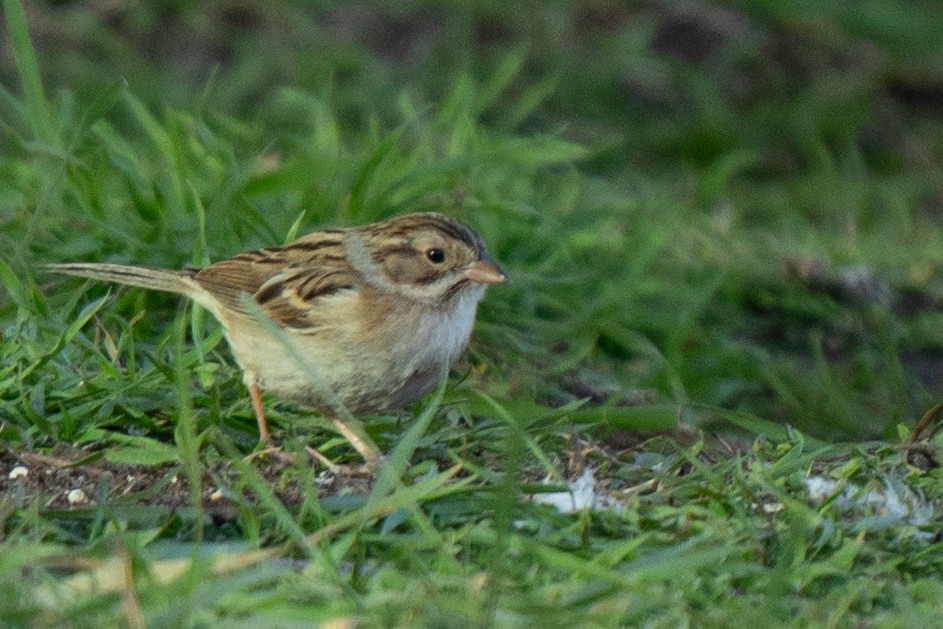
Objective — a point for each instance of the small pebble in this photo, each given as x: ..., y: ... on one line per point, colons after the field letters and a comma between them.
x: 18, y: 472
x: 75, y: 496
x: 216, y: 495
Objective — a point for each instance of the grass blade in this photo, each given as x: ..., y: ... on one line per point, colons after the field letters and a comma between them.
x: 39, y: 114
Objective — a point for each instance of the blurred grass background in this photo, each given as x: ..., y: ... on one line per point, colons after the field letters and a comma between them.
x: 723, y: 213
x: 732, y: 204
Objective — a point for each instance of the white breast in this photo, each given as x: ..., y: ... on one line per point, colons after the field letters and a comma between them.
x: 441, y: 336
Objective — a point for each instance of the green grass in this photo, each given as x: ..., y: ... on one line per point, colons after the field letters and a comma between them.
x: 683, y: 195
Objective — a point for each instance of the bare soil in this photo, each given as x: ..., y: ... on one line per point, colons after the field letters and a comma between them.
x: 72, y: 478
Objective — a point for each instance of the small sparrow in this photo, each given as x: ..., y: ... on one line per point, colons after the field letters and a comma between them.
x: 347, y: 321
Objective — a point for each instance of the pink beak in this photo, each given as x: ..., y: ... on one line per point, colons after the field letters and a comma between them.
x: 485, y: 271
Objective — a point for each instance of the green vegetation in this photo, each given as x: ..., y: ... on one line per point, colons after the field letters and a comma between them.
x: 723, y: 227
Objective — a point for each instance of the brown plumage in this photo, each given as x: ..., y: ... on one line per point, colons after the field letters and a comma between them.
x: 371, y: 316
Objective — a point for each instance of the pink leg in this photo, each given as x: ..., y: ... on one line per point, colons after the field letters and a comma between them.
x: 255, y: 394
x: 370, y: 455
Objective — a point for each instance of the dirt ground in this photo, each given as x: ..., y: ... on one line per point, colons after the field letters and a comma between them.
x: 76, y: 479
x: 72, y: 478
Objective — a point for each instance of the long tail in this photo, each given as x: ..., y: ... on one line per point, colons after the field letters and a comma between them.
x: 145, y: 277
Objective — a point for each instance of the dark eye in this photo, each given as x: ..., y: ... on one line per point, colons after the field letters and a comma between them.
x: 436, y: 256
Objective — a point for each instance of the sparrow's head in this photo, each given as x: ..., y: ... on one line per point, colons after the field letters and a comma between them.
x: 431, y: 256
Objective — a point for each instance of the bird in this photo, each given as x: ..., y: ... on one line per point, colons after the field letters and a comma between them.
x: 346, y: 321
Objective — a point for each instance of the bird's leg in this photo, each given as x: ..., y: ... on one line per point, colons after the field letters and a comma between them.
x: 369, y: 452
x: 255, y: 394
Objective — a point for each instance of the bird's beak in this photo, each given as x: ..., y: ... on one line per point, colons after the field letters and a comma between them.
x: 485, y: 271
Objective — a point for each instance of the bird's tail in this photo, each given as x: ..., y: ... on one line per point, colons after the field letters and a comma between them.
x: 145, y: 277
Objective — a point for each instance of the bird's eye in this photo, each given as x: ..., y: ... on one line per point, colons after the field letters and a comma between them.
x: 436, y: 256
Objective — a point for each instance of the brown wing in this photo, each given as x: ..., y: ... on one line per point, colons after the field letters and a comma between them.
x: 287, y: 282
